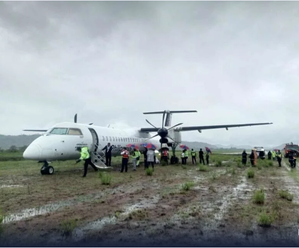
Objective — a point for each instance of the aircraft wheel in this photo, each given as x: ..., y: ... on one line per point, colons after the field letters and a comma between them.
x: 50, y: 170
x: 44, y: 170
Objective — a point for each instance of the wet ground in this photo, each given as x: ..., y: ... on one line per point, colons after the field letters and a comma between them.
x: 137, y: 209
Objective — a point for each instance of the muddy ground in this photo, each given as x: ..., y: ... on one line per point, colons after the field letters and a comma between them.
x: 141, y: 210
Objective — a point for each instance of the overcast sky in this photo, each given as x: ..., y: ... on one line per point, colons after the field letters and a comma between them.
x: 233, y: 62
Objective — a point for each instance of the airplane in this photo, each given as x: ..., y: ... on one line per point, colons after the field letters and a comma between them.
x: 60, y: 142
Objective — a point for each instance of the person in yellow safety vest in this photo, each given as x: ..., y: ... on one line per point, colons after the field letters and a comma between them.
x: 279, y: 157
x: 273, y: 155
x: 193, y: 155
x: 138, y: 158
x: 134, y: 158
x: 86, y: 157
x: 186, y: 156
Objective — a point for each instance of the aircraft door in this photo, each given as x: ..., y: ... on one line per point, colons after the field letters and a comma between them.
x: 95, y: 140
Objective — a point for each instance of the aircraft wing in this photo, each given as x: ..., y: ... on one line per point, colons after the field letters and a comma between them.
x: 36, y: 130
x: 199, y: 128
x: 150, y: 129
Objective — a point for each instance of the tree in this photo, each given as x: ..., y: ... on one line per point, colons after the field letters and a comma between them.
x: 13, y: 148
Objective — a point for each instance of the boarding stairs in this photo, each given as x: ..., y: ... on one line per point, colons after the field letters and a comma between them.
x: 98, y: 159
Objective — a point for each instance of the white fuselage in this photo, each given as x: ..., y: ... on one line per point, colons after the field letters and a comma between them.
x: 60, y: 141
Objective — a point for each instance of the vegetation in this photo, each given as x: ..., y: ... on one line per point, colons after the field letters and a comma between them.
x: 187, y: 186
x: 265, y: 219
x: 286, y: 195
x: 105, y: 178
x: 149, y: 171
x: 250, y: 173
x: 259, y: 196
x: 67, y: 227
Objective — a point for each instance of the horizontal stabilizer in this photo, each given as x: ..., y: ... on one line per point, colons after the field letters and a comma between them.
x: 36, y: 130
x: 170, y: 111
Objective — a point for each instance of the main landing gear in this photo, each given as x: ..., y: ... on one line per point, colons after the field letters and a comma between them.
x: 46, y: 169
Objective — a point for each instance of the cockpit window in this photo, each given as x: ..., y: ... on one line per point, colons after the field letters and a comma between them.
x: 74, y: 131
x: 59, y: 130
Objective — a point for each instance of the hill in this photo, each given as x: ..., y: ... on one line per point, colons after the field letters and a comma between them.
x: 6, y: 141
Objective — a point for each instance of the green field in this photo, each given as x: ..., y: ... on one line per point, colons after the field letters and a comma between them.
x: 193, y: 203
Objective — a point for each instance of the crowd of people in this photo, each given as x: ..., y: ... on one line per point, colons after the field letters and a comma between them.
x: 150, y: 158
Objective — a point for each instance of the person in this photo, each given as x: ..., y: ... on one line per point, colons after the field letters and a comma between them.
x: 279, y: 157
x: 183, y: 156
x: 151, y: 158
x: 269, y: 155
x: 207, y: 157
x: 201, y: 159
x: 244, y: 158
x: 138, y: 157
x: 87, y: 159
x: 294, y: 159
x: 251, y: 156
x: 145, y: 157
x: 134, y: 158
x: 254, y: 157
x: 273, y: 155
x: 108, y: 149
x: 193, y: 156
x: 186, y: 156
x: 164, y: 155
x: 125, y: 159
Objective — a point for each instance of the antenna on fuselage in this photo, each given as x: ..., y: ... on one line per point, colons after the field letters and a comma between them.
x: 75, y: 118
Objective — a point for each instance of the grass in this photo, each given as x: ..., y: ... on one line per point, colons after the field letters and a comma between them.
x: 187, y: 186
x: 149, y: 171
x: 92, y: 200
x: 259, y: 197
x: 67, y: 227
x: 105, y: 178
x: 250, y: 173
x: 265, y: 220
x: 202, y: 167
x: 286, y: 195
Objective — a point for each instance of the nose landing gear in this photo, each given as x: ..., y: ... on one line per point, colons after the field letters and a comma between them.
x: 46, y: 169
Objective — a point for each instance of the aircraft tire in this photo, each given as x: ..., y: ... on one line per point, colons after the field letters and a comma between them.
x: 50, y: 170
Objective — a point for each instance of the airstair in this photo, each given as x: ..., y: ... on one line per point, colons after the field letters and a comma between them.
x: 98, y: 159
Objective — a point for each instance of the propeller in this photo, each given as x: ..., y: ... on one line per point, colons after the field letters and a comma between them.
x: 163, y: 132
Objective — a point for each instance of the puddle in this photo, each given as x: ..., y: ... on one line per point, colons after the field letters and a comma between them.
x: 32, y: 212
x: 80, y: 233
x: 10, y: 186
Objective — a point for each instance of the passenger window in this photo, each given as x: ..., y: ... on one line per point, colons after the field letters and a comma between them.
x: 74, y: 131
x: 103, y: 138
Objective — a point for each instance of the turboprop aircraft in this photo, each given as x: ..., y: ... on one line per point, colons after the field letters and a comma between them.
x: 61, y: 141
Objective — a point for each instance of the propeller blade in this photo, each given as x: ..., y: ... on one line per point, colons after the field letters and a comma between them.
x: 175, y: 126
x: 150, y: 123
x: 163, y: 117
x: 75, y: 118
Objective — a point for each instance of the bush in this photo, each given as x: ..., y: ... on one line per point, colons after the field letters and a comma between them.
x: 286, y: 195
x: 259, y: 197
x: 203, y: 167
x: 105, y: 178
x: 187, y: 186
x: 218, y: 163
x: 67, y: 227
x: 149, y: 171
x: 265, y: 220
x: 250, y: 173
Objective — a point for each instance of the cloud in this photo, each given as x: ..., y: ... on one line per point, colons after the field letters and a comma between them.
x: 234, y: 62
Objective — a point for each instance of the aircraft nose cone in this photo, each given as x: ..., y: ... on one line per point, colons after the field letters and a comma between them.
x: 32, y: 152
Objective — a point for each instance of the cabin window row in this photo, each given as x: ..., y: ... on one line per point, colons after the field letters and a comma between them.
x: 120, y: 139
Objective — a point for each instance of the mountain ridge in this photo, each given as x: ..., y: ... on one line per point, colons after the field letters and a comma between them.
x: 6, y: 141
